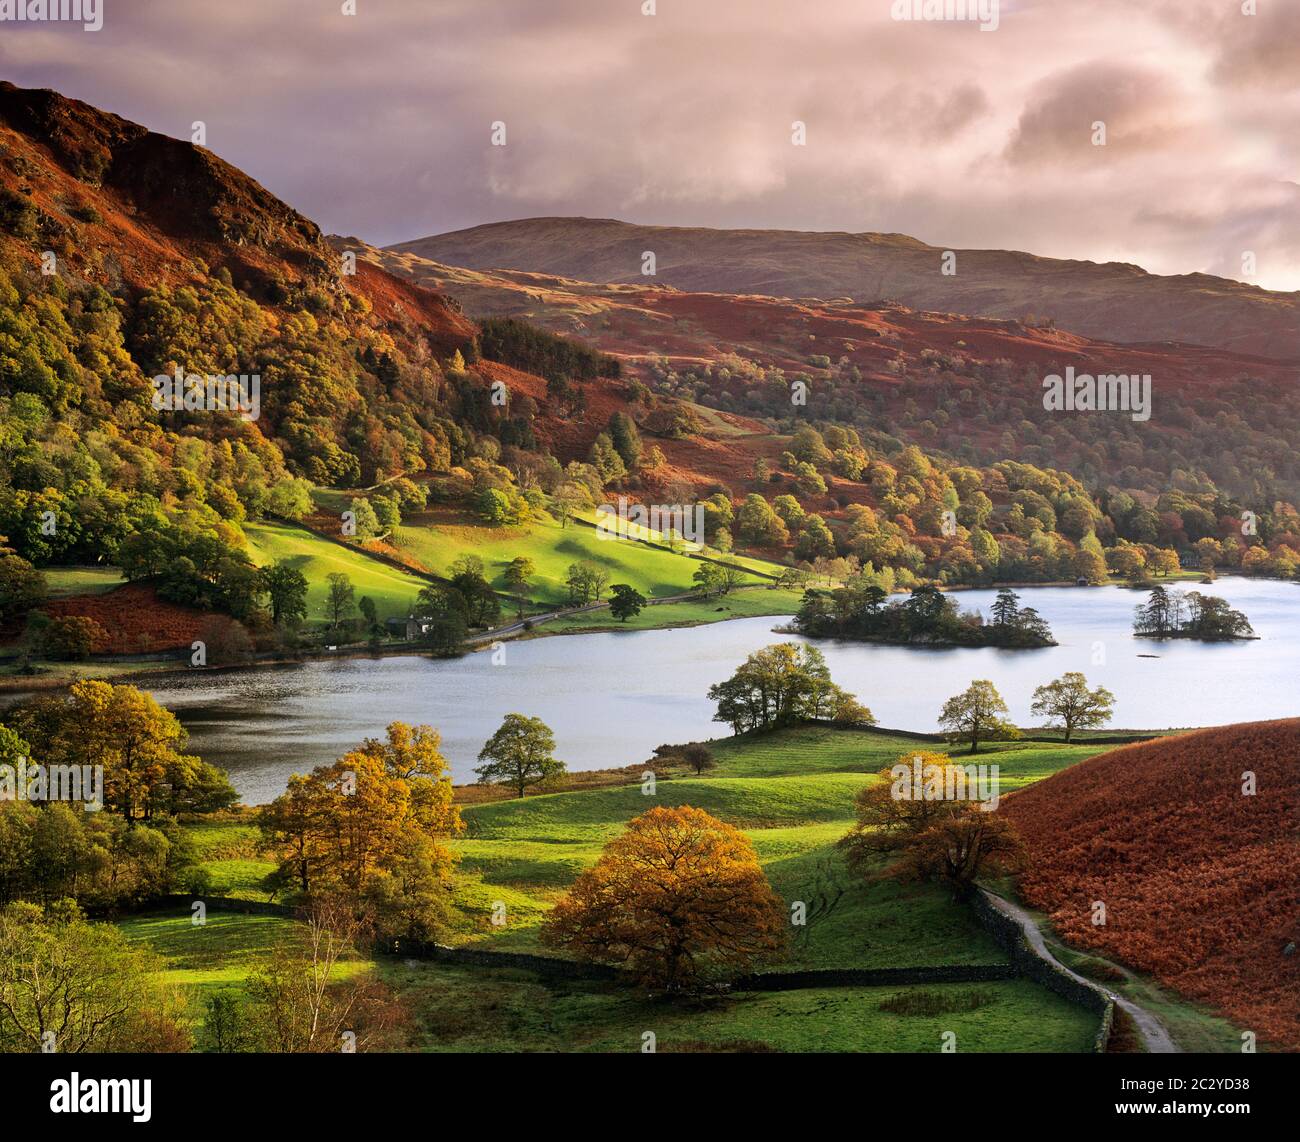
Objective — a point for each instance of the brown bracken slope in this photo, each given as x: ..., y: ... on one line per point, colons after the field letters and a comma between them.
x: 1199, y: 880
x: 1115, y: 301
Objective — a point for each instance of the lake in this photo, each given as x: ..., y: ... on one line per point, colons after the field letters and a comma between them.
x: 611, y: 698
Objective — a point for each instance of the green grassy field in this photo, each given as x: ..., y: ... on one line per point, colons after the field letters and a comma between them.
x: 472, y: 1009
x: 393, y: 591
x: 226, y: 845
x: 437, y: 542
x: 81, y: 580
x: 792, y: 793
x: 744, y: 602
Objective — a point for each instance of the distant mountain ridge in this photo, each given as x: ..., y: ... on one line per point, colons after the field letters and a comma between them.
x: 1112, y: 301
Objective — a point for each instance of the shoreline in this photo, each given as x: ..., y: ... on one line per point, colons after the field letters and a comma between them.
x: 21, y: 684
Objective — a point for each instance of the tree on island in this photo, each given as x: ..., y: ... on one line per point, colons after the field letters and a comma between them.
x: 519, y: 754
x: 626, y: 602
x: 927, y: 616
x: 679, y: 898
x: 1068, y: 702
x: 1172, y: 614
x: 974, y: 715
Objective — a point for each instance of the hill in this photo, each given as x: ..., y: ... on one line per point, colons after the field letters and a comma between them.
x: 967, y: 385
x: 1118, y: 301
x: 1198, y: 879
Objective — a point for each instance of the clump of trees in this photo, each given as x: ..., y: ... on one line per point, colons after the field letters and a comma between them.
x: 71, y: 986
x: 140, y: 745
x: 586, y: 582
x: 679, y: 899
x: 782, y: 685
x: 1175, y: 614
x: 125, y: 846
x: 861, y: 610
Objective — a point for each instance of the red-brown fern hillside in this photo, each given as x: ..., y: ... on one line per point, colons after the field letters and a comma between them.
x: 1199, y: 881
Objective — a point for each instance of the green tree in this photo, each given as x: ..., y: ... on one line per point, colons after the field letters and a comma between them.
x: 72, y: 637
x: 341, y: 598
x: 519, y: 754
x: 782, y: 685
x: 72, y: 986
x: 758, y: 523
x: 1068, y: 702
x: 974, y: 715
x: 444, y: 611
x: 626, y: 439
x: 517, y: 576
x: 22, y: 587
x: 626, y: 602
x: 286, y: 587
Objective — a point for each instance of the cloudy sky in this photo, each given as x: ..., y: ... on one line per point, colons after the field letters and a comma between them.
x: 379, y: 124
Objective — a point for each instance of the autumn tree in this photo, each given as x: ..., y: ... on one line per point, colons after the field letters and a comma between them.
x: 1068, y: 702
x: 519, y: 754
x: 679, y: 899
x: 138, y: 742
x: 974, y: 715
x: 925, y: 818
x: 957, y: 848
x: 371, y: 829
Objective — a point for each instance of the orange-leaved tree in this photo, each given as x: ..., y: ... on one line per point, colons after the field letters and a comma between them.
x: 679, y: 899
x: 927, y: 818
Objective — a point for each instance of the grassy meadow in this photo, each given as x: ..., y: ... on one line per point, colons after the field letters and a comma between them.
x: 792, y: 793
x: 392, y: 590
x: 437, y: 539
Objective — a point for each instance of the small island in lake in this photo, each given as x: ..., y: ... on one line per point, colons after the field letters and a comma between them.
x: 1173, y: 614
x: 927, y: 618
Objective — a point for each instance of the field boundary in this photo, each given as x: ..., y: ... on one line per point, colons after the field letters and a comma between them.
x: 1041, y: 967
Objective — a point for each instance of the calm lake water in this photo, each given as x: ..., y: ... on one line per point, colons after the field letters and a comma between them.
x: 611, y: 698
